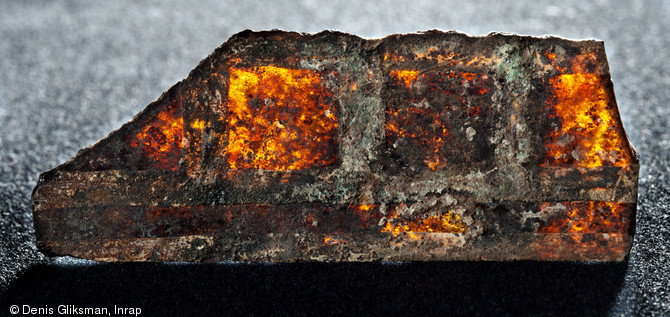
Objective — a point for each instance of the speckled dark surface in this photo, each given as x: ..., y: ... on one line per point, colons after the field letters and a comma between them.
x: 72, y: 72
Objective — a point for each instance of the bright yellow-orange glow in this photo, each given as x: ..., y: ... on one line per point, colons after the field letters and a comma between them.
x: 160, y: 139
x: 198, y: 124
x: 280, y: 119
x: 588, y: 217
x: 328, y: 240
x: 588, y: 134
x: 448, y: 222
x: 407, y: 77
x: 365, y: 207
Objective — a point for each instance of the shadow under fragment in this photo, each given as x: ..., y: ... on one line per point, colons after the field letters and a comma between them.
x: 434, y: 288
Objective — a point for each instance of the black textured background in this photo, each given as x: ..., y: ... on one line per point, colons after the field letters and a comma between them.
x: 71, y: 72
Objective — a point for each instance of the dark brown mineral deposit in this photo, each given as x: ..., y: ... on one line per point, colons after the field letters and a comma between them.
x: 284, y: 146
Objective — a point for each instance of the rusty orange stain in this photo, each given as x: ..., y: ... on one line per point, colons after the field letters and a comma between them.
x: 330, y: 240
x: 587, y: 217
x: 368, y: 214
x: 424, y: 124
x: 576, y: 245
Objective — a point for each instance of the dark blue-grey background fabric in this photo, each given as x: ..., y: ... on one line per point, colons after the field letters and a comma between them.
x: 71, y: 72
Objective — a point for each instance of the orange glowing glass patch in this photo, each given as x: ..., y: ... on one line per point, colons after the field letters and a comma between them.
x: 160, y: 139
x: 589, y: 134
x: 280, y: 119
x: 448, y: 222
